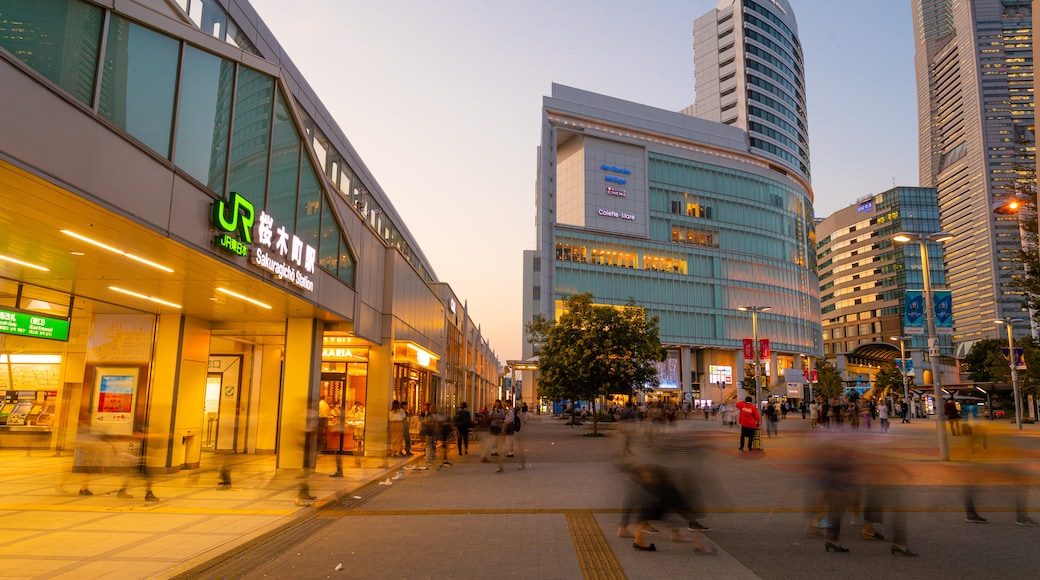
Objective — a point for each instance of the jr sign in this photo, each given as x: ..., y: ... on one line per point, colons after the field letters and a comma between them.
x: 279, y: 252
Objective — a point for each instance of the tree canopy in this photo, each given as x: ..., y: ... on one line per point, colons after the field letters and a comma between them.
x: 595, y: 350
x: 828, y: 379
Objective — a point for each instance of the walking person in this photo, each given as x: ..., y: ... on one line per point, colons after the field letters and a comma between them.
x: 749, y: 419
x: 496, y: 416
x: 510, y: 427
x: 407, y: 428
x: 463, y: 422
x: 771, y: 420
x: 883, y: 416
x: 397, y: 426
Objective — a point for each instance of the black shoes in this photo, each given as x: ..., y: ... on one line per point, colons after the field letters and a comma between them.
x: 874, y: 536
x: 149, y: 496
x: 974, y: 518
x: 650, y: 548
x: 696, y: 526
x: 903, y: 551
x: 832, y: 547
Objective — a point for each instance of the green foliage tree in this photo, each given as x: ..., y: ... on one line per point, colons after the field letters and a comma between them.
x: 986, y: 364
x: 828, y: 382
x: 887, y: 379
x: 595, y: 350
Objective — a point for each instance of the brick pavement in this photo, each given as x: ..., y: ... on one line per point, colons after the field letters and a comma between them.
x: 554, y: 519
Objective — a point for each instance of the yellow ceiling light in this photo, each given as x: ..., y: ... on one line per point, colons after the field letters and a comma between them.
x: 144, y: 297
x: 117, y: 251
x: 246, y: 298
x: 21, y: 263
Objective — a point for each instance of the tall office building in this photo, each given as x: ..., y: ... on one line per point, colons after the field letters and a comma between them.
x: 691, y: 217
x: 864, y: 278
x: 749, y: 74
x: 974, y: 63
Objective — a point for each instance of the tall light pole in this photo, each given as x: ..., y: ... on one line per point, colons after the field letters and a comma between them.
x: 1007, y: 322
x: 754, y: 310
x: 906, y: 382
x: 929, y: 313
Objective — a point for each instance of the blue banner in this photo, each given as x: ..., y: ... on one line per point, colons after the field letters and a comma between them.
x: 942, y: 303
x: 913, y: 314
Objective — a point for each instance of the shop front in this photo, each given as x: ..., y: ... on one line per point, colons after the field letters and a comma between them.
x: 344, y: 390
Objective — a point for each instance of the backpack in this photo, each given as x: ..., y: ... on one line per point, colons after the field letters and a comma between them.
x: 516, y: 421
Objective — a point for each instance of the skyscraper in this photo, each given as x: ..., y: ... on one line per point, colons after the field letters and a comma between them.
x: 750, y: 74
x: 974, y: 63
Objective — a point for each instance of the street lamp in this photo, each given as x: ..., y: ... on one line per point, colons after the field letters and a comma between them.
x: 929, y: 313
x: 906, y: 380
x: 1007, y: 322
x: 754, y: 310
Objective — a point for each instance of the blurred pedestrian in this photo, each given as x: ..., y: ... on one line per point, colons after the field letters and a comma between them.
x: 408, y: 420
x: 496, y: 416
x: 397, y: 419
x: 463, y: 423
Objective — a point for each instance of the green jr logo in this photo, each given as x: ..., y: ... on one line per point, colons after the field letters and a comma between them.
x: 237, y: 214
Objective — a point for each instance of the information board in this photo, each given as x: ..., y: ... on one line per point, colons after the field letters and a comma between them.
x: 35, y: 325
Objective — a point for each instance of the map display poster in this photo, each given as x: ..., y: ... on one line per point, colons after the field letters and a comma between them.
x: 115, y: 391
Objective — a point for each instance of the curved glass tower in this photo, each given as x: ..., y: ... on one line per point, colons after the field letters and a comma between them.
x: 750, y: 74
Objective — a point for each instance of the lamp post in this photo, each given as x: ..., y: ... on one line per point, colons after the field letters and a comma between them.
x: 906, y: 380
x: 933, y: 353
x: 754, y: 310
x: 1007, y: 322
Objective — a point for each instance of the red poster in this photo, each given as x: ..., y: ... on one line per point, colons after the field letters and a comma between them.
x: 749, y: 349
x: 763, y: 347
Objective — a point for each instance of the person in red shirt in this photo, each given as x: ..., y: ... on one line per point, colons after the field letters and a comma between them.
x: 749, y: 420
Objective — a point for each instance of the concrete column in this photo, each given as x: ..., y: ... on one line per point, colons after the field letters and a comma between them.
x: 377, y: 407
x: 177, y: 393
x: 685, y: 372
x: 297, y: 443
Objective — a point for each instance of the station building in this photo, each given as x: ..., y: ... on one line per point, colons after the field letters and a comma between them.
x: 191, y: 249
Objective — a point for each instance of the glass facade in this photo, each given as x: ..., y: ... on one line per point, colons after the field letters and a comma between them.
x: 750, y: 242
x: 233, y: 128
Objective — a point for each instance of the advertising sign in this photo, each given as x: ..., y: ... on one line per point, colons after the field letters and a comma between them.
x: 115, y: 389
x: 749, y: 349
x: 1020, y: 361
x: 763, y: 348
x: 34, y: 325
x: 913, y: 314
x: 942, y: 303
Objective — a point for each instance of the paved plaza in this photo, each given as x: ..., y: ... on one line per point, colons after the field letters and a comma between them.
x: 556, y: 518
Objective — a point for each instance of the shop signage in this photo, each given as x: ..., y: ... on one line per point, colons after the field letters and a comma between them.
x: 35, y: 325
x: 279, y: 252
x: 615, y: 169
x: 616, y: 214
x: 616, y: 191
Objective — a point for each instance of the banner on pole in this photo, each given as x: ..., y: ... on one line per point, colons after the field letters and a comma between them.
x: 942, y: 304
x: 913, y: 312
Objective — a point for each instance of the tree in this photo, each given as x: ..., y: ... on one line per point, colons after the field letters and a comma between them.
x: 887, y: 379
x: 828, y: 381
x: 985, y: 362
x: 595, y: 350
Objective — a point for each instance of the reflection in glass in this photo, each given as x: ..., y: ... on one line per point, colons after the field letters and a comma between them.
x: 138, y: 83
x: 251, y: 135
x: 203, y: 117
x: 285, y: 166
x: 59, y: 40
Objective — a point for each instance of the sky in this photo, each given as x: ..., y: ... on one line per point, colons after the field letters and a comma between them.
x: 442, y: 101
